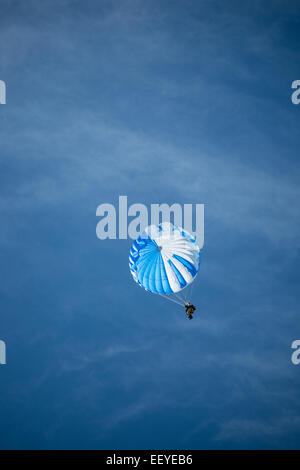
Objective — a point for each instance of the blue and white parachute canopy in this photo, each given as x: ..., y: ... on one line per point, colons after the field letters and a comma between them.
x: 164, y: 259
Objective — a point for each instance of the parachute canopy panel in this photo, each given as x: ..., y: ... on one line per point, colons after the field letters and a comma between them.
x: 164, y: 259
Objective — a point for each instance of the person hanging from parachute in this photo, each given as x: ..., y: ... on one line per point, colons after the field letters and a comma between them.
x: 165, y: 260
x: 189, y: 310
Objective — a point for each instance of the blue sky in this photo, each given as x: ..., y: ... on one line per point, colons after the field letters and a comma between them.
x: 162, y: 101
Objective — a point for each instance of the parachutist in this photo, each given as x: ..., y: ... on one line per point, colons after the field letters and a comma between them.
x: 189, y: 310
x: 164, y: 260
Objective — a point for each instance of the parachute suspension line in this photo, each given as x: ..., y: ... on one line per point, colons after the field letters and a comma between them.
x: 178, y: 296
x: 166, y: 296
x: 177, y: 300
x: 182, y: 298
x: 169, y: 298
x: 187, y: 292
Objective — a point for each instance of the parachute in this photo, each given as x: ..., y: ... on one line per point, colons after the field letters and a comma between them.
x: 165, y: 260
